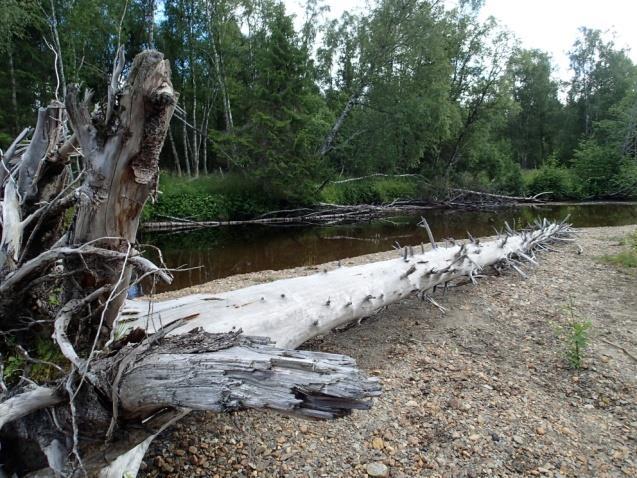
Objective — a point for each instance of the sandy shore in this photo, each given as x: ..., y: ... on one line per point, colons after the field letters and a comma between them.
x: 483, y: 390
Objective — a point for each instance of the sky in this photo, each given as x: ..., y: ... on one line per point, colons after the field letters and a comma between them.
x: 550, y: 25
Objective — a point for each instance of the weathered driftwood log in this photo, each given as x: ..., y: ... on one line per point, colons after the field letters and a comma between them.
x: 223, y: 372
x: 196, y: 371
x: 291, y: 311
x: 325, y: 213
x: 502, y: 197
x: 294, y: 310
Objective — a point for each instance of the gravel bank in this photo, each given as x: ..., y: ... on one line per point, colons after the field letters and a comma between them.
x: 483, y: 390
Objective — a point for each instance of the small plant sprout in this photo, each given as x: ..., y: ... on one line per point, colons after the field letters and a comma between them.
x: 575, y: 336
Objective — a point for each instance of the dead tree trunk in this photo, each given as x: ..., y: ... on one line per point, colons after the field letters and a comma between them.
x: 328, y: 142
x: 122, y: 156
x: 292, y: 311
x: 78, y: 398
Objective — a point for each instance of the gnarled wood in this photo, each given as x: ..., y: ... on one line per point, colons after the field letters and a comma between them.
x: 122, y: 156
x: 92, y: 261
x: 165, y: 377
x: 223, y: 372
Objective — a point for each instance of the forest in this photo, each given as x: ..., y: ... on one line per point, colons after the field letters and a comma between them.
x: 272, y: 109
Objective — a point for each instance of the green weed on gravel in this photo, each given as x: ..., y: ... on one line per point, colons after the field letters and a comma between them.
x: 627, y: 257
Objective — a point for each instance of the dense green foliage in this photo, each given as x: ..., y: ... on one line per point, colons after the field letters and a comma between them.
x: 552, y: 176
x: 375, y: 191
x: 211, y: 197
x: 275, y: 106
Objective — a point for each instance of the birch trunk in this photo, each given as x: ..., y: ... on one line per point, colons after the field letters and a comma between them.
x: 58, y: 47
x: 184, y: 133
x: 328, y: 143
x: 174, y: 151
x: 14, y: 92
x: 149, y: 14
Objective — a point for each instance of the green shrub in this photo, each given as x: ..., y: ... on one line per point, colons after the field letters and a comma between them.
x: 625, y: 182
x: 13, y: 368
x: 577, y: 342
x: 373, y: 191
x: 5, y: 139
x: 554, y: 178
x: 476, y: 181
x: 575, y: 336
x: 510, y: 180
x: 623, y: 259
x: 210, y: 198
x: 596, y: 167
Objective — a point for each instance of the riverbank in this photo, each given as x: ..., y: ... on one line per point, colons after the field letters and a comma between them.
x: 233, y: 198
x: 210, y: 254
x: 483, y: 390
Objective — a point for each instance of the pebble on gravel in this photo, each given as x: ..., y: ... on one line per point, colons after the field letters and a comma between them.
x: 377, y: 469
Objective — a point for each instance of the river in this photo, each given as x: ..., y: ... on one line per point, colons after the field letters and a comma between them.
x: 220, y: 252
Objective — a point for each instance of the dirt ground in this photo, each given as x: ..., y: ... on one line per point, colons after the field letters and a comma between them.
x: 483, y: 390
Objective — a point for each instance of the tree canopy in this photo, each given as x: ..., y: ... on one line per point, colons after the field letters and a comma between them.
x: 406, y: 86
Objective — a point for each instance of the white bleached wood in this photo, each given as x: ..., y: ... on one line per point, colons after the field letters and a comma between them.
x: 127, y: 464
x: 291, y: 311
x: 28, y: 402
x: 12, y: 227
x: 251, y: 375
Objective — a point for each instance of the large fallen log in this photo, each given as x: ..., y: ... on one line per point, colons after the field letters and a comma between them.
x: 291, y: 311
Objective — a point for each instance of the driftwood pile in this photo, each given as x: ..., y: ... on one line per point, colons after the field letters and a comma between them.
x: 330, y: 214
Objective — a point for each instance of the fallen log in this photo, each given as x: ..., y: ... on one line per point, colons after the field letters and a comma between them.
x: 330, y: 214
x: 291, y: 311
x: 196, y: 371
x: 479, y: 200
x: 324, y: 214
x: 225, y: 372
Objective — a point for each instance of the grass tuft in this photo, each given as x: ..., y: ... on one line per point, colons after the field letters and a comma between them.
x: 626, y: 258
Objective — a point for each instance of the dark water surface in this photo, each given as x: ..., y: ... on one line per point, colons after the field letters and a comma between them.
x: 226, y: 251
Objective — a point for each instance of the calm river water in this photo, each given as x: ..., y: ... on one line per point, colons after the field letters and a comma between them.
x: 225, y: 251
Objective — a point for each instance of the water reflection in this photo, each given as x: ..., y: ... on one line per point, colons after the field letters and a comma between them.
x: 216, y: 253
